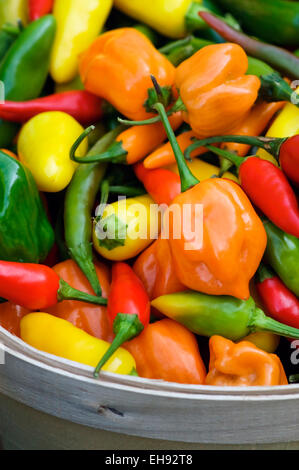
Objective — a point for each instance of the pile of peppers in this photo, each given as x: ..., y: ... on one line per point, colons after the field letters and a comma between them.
x: 149, y: 217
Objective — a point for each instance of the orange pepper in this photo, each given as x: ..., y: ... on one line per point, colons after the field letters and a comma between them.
x: 215, y: 90
x: 254, y: 124
x: 166, y: 350
x: 155, y: 268
x: 117, y: 67
x: 90, y: 318
x: 10, y: 317
x: 8, y: 152
x: 242, y: 364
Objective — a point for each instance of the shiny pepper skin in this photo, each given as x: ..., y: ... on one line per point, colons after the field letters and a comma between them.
x: 215, y: 90
x: 117, y: 67
x: 243, y: 365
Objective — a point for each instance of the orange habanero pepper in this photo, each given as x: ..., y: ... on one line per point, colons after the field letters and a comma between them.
x: 117, y: 67
x: 166, y: 350
x: 92, y: 319
x: 215, y: 90
x: 242, y: 364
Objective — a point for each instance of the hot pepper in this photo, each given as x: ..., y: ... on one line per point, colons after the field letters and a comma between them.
x: 90, y: 318
x: 44, y: 143
x: 78, y: 24
x: 8, y: 35
x: 25, y: 68
x: 209, y: 315
x: 128, y: 309
x: 36, y: 286
x: 10, y: 317
x: 80, y: 104
x: 282, y: 254
x: 280, y: 303
x: 25, y: 231
x: 280, y: 59
x: 117, y: 67
x: 165, y: 350
x: 60, y: 338
x: 257, y: 176
x: 78, y: 206
x: 226, y: 256
x: 38, y: 8
x: 242, y: 365
x: 161, y: 184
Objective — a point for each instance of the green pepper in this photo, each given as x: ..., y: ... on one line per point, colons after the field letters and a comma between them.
x: 25, y: 67
x: 282, y: 253
x: 209, y: 315
x: 25, y: 232
x: 274, y: 21
x: 8, y: 35
x: 79, y: 202
x: 258, y: 67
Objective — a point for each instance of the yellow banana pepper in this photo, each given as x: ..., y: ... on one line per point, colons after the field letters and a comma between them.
x: 126, y: 228
x: 61, y: 338
x: 268, y: 342
x: 285, y: 125
x: 13, y: 10
x: 203, y: 170
x: 78, y: 24
x: 168, y: 17
x: 44, y: 144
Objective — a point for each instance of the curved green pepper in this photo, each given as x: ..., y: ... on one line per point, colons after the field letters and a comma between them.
x: 274, y: 21
x: 282, y: 253
x: 209, y: 315
x: 25, y: 232
x: 25, y: 68
x: 8, y: 35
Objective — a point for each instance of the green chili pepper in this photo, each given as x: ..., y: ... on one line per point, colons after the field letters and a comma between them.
x: 258, y: 67
x: 79, y: 202
x: 209, y: 315
x: 8, y: 35
x: 25, y: 232
x: 282, y: 253
x: 25, y: 67
x: 274, y: 21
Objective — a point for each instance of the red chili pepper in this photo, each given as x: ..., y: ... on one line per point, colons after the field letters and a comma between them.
x: 85, y: 107
x: 285, y: 150
x: 280, y: 303
x: 37, y: 287
x: 39, y: 8
x: 128, y: 308
x: 163, y: 185
x: 268, y: 189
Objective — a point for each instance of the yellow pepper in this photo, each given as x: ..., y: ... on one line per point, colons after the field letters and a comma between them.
x: 268, y: 342
x: 13, y: 10
x: 61, y: 338
x: 168, y: 17
x: 44, y: 144
x: 203, y: 170
x: 78, y: 24
x: 126, y: 228
x: 285, y: 125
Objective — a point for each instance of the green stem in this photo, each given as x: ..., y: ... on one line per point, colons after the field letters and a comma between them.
x: 231, y: 157
x: 125, y: 327
x: 261, y: 322
x: 263, y: 273
x: 171, y: 46
x: 187, y: 178
x: 115, y: 154
x: 66, y: 292
x: 271, y: 145
x: 275, y: 88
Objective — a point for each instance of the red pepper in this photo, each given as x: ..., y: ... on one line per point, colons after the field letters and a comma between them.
x: 128, y: 308
x: 279, y: 302
x: 163, y: 185
x: 37, y: 287
x: 39, y: 8
x: 268, y: 189
x: 286, y: 150
x: 85, y: 107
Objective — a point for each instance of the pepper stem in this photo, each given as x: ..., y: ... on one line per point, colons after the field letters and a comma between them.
x: 232, y: 157
x: 275, y: 88
x: 66, y: 292
x: 187, y: 178
x: 125, y: 327
x: 261, y: 322
x: 264, y: 273
x: 271, y: 145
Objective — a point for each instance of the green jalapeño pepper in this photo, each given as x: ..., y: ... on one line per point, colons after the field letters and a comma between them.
x: 25, y: 232
x: 25, y: 68
x: 209, y: 315
x: 282, y: 254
